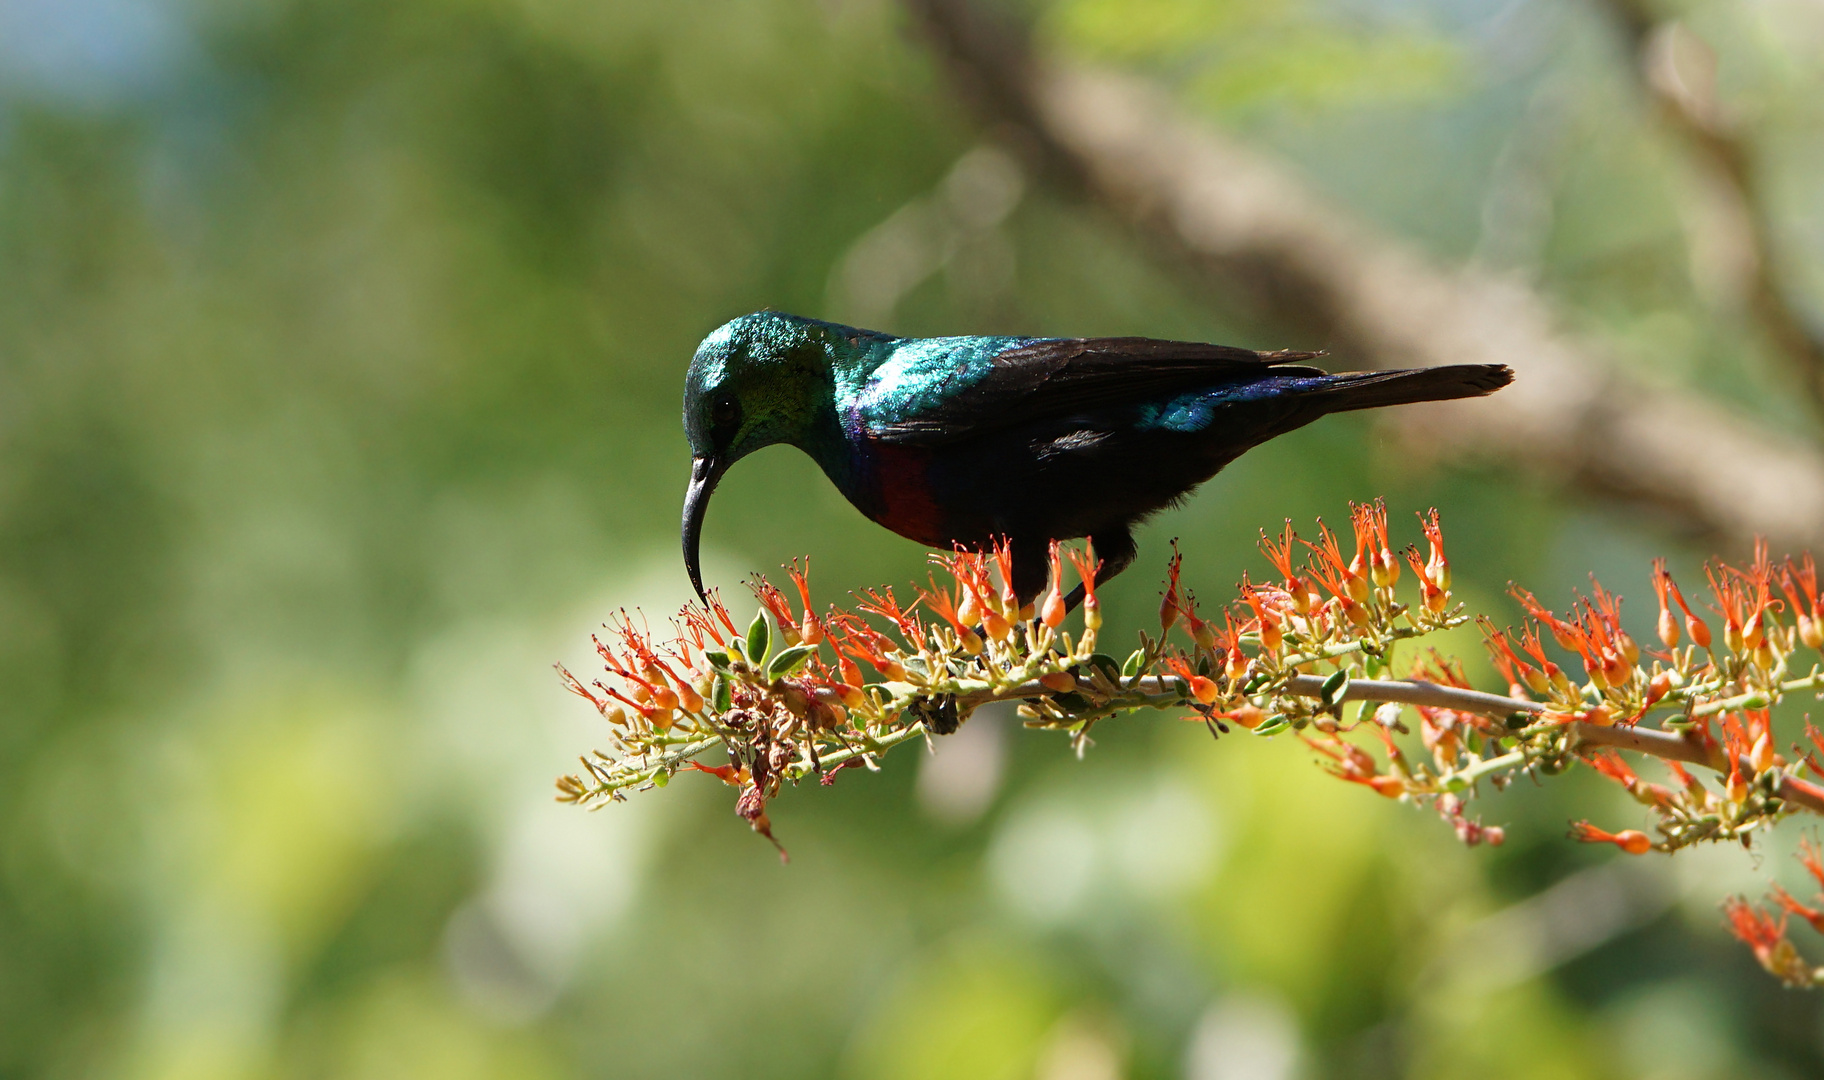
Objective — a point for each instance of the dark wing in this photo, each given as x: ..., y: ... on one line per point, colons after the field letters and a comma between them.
x: 1061, y: 376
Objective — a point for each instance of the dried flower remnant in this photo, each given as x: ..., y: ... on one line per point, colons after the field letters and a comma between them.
x: 1310, y: 649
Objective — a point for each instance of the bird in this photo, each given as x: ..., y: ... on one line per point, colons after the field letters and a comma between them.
x: 970, y: 440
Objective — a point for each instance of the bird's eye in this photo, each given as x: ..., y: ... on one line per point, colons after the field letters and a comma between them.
x: 725, y: 412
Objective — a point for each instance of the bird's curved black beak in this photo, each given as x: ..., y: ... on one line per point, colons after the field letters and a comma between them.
x: 704, y: 472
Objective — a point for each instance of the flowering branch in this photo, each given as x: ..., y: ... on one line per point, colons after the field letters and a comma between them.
x: 1310, y: 652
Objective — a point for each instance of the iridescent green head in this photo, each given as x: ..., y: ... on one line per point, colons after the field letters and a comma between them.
x: 761, y: 379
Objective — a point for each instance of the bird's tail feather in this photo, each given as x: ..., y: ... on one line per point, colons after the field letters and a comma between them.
x: 1373, y: 389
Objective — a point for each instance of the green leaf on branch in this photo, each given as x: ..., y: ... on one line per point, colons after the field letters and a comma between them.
x: 759, y: 635
x: 1335, y: 687
x: 790, y: 661
x: 1274, y: 725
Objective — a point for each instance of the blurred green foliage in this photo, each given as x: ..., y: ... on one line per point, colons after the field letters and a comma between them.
x: 340, y: 356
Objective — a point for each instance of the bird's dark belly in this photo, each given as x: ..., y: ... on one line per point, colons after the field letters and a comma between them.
x: 1068, y: 484
x: 1058, y: 479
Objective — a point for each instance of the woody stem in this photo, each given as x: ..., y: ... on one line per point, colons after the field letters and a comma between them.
x: 1661, y: 744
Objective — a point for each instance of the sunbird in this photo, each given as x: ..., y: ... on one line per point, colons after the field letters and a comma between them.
x: 968, y: 440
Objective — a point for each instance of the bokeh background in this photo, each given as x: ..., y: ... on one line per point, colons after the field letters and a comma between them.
x: 340, y: 356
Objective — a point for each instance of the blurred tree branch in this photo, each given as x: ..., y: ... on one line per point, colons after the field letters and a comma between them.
x: 1678, y: 73
x: 1275, y: 250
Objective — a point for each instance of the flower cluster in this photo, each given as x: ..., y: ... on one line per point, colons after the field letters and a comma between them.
x: 788, y: 699
x: 1309, y: 650
x: 1721, y: 692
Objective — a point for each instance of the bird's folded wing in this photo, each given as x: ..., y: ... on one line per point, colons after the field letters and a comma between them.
x: 1058, y: 377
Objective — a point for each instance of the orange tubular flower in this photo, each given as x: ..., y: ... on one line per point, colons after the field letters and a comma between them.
x: 883, y: 603
x: 1743, y: 597
x: 1760, y: 579
x: 1599, y: 641
x: 1632, y: 841
x: 1360, y: 568
x: 1280, y: 555
x: 1737, y: 746
x: 1521, y: 676
x: 939, y: 601
x: 1202, y: 689
x: 1350, y: 762
x: 1690, y: 783
x: 971, y: 575
x: 728, y: 774
x: 1662, y: 587
x: 998, y: 607
x: 639, y: 660
x: 1202, y: 633
x: 1568, y: 635
x: 778, y: 606
x: 1383, y: 567
x: 707, y: 622
x: 1266, y: 619
x: 1168, y: 604
x: 810, y: 628
x: 1554, y: 675
x: 1431, y: 596
x: 1816, y: 738
x: 1087, y: 566
x: 1696, y: 627
x: 1607, y: 605
x: 1328, y: 567
x: 1003, y: 565
x: 1767, y: 938
x: 653, y: 711
x: 1341, y: 588
x: 685, y: 694
x: 1803, y: 576
x: 1657, y: 687
x: 1737, y: 739
x: 1227, y: 641
x: 575, y: 686
x: 1609, y: 764
x: 1441, y: 729
x: 1051, y: 611
x: 850, y: 673
x: 1793, y: 907
x: 1437, y: 568
x: 1247, y: 715
x: 1757, y: 727
x: 1755, y: 927
x: 865, y: 643
x: 1813, y: 859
